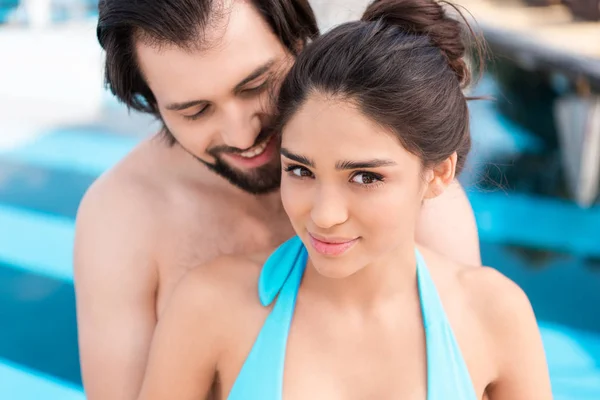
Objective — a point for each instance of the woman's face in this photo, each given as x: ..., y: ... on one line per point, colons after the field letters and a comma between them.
x: 351, y: 191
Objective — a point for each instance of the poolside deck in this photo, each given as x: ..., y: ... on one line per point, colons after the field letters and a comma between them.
x: 540, y: 37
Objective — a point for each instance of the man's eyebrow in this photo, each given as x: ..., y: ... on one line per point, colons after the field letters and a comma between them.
x: 184, y: 105
x: 254, y: 74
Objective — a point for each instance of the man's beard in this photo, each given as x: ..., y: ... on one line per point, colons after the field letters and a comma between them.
x: 262, y: 180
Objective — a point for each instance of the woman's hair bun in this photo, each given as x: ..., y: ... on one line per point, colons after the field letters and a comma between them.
x: 426, y: 17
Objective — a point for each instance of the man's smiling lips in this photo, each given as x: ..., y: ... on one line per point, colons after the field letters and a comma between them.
x: 256, y: 156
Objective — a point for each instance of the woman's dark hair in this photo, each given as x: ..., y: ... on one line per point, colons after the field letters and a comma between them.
x: 403, y: 65
x: 181, y: 23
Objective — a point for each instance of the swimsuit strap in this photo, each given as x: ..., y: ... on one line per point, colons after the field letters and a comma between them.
x: 261, y: 376
x: 448, y: 377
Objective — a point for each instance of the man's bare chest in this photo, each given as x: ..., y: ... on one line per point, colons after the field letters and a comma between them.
x: 188, y: 246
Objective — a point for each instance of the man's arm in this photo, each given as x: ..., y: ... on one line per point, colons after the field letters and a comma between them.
x: 447, y: 225
x: 115, y: 284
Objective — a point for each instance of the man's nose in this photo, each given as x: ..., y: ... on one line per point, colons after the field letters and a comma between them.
x: 241, y: 126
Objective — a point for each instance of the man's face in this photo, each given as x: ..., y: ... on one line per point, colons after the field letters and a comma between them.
x: 217, y: 102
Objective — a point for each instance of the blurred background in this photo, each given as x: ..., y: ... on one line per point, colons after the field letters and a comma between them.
x: 532, y: 177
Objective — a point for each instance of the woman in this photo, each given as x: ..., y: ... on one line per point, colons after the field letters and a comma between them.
x: 374, y: 122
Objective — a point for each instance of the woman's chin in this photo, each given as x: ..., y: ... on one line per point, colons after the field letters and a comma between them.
x: 334, y: 269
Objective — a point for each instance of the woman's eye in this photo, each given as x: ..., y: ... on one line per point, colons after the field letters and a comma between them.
x: 300, y: 172
x: 366, y: 178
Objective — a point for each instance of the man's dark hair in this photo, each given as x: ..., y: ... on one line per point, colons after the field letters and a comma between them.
x: 181, y: 23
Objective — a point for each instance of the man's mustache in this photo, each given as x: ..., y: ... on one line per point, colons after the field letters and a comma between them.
x: 262, y: 137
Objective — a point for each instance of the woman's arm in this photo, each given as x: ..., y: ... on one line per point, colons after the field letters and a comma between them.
x: 520, y: 360
x: 186, y: 346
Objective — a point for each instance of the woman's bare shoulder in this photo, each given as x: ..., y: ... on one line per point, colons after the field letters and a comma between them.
x: 491, y: 315
x: 499, y: 303
x: 493, y: 297
x: 505, y: 313
x: 227, y: 281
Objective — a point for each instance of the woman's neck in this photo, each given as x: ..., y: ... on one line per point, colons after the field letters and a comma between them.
x: 389, y: 277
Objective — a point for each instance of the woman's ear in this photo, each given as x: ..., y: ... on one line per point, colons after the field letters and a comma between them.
x: 441, y: 176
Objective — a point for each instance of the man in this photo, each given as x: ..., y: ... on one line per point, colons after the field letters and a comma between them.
x: 208, y: 183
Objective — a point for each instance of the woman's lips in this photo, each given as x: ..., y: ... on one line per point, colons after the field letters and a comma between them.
x: 331, y: 246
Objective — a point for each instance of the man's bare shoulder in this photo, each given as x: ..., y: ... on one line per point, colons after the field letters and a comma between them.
x: 140, y: 189
x: 447, y: 225
x: 130, y: 183
x: 118, y: 220
x: 158, y: 178
x: 446, y: 272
